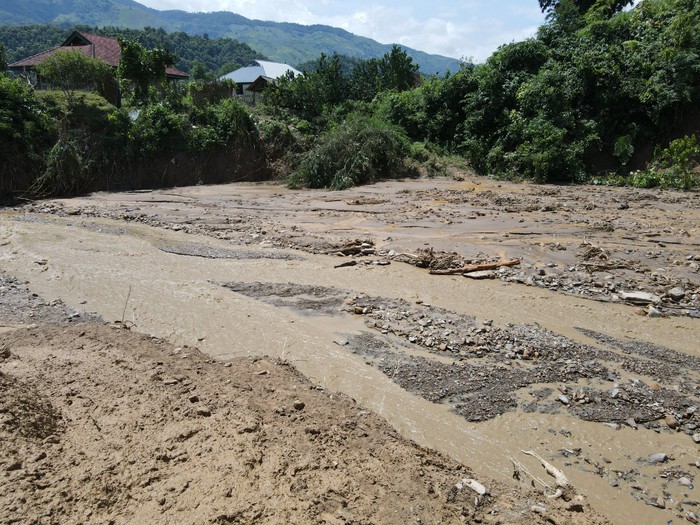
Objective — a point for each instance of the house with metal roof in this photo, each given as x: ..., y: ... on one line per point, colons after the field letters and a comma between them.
x: 103, y: 48
x: 254, y: 77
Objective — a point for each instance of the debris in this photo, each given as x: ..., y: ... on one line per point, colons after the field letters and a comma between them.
x: 467, y: 268
x: 561, y: 480
x: 472, y: 484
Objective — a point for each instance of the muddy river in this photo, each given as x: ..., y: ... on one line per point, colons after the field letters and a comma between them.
x: 477, y: 369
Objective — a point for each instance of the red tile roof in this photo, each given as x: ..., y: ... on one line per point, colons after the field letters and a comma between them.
x: 101, y: 47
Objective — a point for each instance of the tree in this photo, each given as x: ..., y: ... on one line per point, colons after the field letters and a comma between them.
x: 143, y: 67
x: 397, y: 70
x: 199, y: 71
x: 584, y: 6
x: 3, y: 59
x: 72, y: 70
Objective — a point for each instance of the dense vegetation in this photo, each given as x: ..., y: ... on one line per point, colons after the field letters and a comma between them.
x: 282, y: 42
x: 598, y: 95
x: 69, y: 140
x: 217, y: 55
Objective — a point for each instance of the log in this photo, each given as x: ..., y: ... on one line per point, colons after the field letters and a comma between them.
x: 475, y: 267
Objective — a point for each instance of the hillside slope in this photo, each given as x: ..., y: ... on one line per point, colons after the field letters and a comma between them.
x: 292, y: 43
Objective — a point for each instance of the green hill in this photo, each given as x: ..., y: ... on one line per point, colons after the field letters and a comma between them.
x: 291, y: 43
x: 219, y: 55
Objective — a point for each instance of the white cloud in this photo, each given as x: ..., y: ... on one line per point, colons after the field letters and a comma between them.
x: 468, y: 29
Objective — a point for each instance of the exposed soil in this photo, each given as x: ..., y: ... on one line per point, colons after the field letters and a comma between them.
x: 586, y: 350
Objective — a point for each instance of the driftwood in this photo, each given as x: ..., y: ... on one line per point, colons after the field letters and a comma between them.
x: 475, y: 267
x: 559, y: 477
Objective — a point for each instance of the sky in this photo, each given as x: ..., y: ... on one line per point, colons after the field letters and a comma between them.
x: 462, y: 29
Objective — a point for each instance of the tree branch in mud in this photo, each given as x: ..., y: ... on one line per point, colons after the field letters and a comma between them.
x: 475, y: 267
x: 560, y: 478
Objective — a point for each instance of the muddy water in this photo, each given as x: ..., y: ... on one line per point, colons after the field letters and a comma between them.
x: 118, y: 271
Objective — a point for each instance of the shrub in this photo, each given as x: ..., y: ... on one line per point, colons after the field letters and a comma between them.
x: 158, y: 129
x: 204, y: 93
x: 26, y: 134
x: 67, y: 168
x: 358, y: 151
x: 672, y: 167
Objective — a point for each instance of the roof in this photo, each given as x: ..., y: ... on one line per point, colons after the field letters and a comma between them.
x: 260, y: 68
x: 101, y: 47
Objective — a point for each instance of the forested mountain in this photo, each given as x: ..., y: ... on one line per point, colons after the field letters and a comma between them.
x: 219, y: 55
x: 291, y: 43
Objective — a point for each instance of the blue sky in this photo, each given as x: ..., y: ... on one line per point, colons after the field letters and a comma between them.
x: 460, y: 29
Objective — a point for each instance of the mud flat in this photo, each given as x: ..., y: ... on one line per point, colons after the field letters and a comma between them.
x: 585, y: 353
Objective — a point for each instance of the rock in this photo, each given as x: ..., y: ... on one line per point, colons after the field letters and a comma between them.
x: 696, y: 437
x: 640, y: 298
x: 676, y: 294
x: 614, y: 426
x: 564, y: 399
x: 539, y: 508
x: 672, y: 422
x: 298, y: 405
x: 15, y: 465
x: 487, y: 274
x: 632, y: 423
x: 686, y: 482
x: 654, y: 312
x: 575, y: 506
x: 691, y: 517
x: 658, y: 503
x: 659, y: 457
x: 203, y: 411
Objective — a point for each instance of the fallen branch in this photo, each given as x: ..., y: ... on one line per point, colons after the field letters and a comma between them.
x: 518, y: 467
x: 475, y: 267
x: 560, y: 478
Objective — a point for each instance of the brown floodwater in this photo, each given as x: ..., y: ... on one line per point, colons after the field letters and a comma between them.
x: 117, y: 270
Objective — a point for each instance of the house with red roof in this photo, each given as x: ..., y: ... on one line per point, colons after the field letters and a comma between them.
x: 101, y: 47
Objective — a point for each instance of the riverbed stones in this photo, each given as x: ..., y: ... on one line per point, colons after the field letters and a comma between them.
x: 676, y: 294
x: 659, y: 457
x: 640, y: 298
